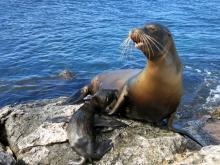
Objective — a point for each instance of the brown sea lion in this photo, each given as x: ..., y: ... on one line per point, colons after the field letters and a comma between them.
x: 151, y: 94
x: 66, y: 75
x: 83, y: 123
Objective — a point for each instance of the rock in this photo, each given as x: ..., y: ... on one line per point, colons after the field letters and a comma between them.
x: 208, y: 155
x: 213, y: 129
x: 203, y: 129
x: 212, y: 126
x: 2, y: 147
x: 143, y: 144
x: 216, y: 113
x: 36, y: 134
x: 5, y: 157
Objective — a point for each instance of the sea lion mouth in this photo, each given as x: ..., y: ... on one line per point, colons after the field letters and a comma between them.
x: 139, y: 45
x: 136, y: 39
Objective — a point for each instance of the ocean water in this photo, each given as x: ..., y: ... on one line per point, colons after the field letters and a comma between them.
x: 41, y: 38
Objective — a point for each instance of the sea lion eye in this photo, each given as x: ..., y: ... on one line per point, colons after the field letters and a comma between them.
x: 152, y: 28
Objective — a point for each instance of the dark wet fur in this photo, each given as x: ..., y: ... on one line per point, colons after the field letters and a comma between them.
x: 81, y: 128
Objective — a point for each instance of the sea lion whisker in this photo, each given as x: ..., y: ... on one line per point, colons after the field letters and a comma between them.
x: 164, y: 48
x: 164, y: 51
x: 155, y: 44
x: 148, y: 41
x: 126, y: 43
x: 140, y: 36
x: 155, y: 41
x: 126, y: 46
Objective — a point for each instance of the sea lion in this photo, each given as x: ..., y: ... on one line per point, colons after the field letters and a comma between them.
x: 80, y: 130
x: 151, y: 94
x: 66, y: 75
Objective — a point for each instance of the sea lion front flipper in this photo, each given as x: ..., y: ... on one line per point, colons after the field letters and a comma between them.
x: 177, y: 129
x: 119, y: 102
x: 106, y: 121
x: 101, y: 149
x: 78, y: 97
x: 79, y: 162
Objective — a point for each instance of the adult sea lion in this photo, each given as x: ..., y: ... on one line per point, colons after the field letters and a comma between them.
x: 84, y: 121
x: 151, y: 94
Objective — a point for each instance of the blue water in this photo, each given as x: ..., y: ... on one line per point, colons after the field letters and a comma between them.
x: 40, y: 38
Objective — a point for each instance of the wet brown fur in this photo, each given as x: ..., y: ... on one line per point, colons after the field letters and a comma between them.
x: 151, y: 94
x: 154, y: 92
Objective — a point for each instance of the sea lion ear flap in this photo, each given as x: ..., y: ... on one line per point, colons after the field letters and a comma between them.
x: 169, y: 34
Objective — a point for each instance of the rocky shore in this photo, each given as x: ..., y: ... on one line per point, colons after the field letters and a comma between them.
x: 35, y: 133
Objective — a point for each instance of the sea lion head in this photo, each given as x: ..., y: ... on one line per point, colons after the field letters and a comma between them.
x: 154, y: 40
x: 105, y: 97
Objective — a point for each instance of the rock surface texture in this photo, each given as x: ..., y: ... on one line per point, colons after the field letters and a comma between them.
x: 6, y: 156
x: 35, y: 133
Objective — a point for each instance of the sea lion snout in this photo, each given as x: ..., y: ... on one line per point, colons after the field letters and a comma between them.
x: 135, y: 35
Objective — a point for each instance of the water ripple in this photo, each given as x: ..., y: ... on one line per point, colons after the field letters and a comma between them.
x: 41, y: 38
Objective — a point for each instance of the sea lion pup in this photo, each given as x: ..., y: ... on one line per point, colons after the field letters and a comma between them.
x: 153, y: 93
x: 80, y: 129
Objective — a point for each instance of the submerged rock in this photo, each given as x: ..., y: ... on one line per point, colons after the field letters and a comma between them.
x: 36, y: 134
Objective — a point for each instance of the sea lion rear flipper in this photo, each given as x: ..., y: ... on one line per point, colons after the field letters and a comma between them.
x: 119, y: 102
x: 101, y: 149
x: 177, y: 129
x: 106, y: 121
x: 78, y: 97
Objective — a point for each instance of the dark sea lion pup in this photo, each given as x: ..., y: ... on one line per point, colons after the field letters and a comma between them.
x: 82, y: 125
x: 153, y: 93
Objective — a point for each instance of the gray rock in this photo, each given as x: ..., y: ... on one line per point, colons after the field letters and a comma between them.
x: 36, y: 133
x: 209, y: 155
x: 216, y: 113
x: 143, y: 144
x: 6, y: 159
x: 2, y: 147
